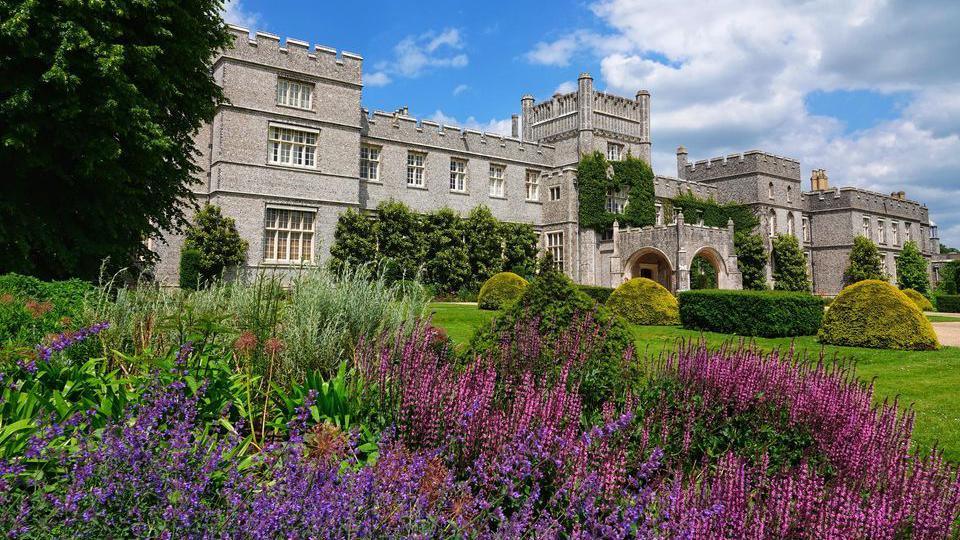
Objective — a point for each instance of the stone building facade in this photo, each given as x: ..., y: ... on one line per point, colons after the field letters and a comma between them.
x: 294, y: 148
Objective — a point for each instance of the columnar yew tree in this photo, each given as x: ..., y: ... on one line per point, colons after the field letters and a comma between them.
x: 400, y: 239
x: 789, y: 264
x: 752, y: 261
x: 912, y: 269
x: 865, y: 262
x: 354, y: 240
x: 446, y: 259
x: 99, y: 102
x: 519, y: 248
x: 484, y: 244
x: 216, y: 238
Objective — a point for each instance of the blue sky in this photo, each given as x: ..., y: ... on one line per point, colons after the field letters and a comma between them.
x: 868, y: 89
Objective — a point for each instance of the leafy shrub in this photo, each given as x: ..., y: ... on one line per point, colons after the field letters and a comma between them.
x: 789, y: 264
x: 912, y: 269
x: 215, y: 237
x: 948, y: 303
x: 752, y: 313
x: 30, y: 309
x: 920, y: 300
x: 548, y: 307
x: 500, y: 290
x: 874, y: 313
x: 190, y: 272
x: 599, y: 294
x: 644, y: 301
x: 865, y: 262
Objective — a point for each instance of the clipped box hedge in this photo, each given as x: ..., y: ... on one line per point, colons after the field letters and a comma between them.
x: 948, y: 303
x: 752, y: 313
x: 599, y: 294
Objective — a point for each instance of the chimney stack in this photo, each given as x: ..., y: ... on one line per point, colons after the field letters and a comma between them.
x: 681, y: 162
x: 819, y: 180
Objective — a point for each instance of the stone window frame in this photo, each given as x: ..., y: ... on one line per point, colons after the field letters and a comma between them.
x: 866, y: 227
x: 894, y: 233
x: 789, y: 194
x: 554, y: 246
x: 532, y: 185
x: 370, y: 159
x: 278, y: 143
x: 772, y: 222
x: 770, y: 191
x: 616, y: 201
x: 907, y: 231
x: 458, y: 175
x: 290, y: 93
x: 791, y: 224
x: 805, y: 229
x: 497, y: 181
x: 273, y: 231
x: 416, y: 171
x: 555, y: 193
x: 614, y: 156
x: 881, y: 231
x: 658, y: 208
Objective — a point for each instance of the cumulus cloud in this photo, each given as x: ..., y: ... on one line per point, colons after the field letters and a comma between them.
x: 731, y: 75
x: 235, y: 12
x: 500, y: 127
x: 566, y: 87
x: 414, y: 55
x: 459, y: 89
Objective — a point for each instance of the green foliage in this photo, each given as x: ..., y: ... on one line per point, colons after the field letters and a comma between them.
x: 100, y: 102
x: 752, y: 313
x: 751, y: 260
x: 447, y: 252
x: 190, y: 274
x: 944, y: 249
x: 400, y: 239
x: 216, y: 238
x: 912, y: 269
x: 949, y: 278
x: 500, y: 290
x: 948, y: 303
x: 599, y: 294
x: 644, y: 301
x: 715, y: 214
x: 920, y: 300
x: 30, y: 309
x: 354, y: 240
x: 865, y: 262
x: 702, y: 274
x: 555, y: 302
x: 789, y: 264
x: 632, y: 175
x: 875, y: 314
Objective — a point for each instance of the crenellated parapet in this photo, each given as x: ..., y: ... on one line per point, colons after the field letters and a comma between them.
x: 746, y: 163
x: 621, y: 116
x: 407, y: 130
x: 667, y: 187
x: 294, y: 55
x: 866, y: 201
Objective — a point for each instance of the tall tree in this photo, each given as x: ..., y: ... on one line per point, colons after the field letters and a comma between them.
x: 354, y: 241
x: 446, y: 260
x: 99, y: 103
x: 865, y: 262
x: 751, y: 260
x: 912, y: 269
x: 400, y: 239
x: 789, y: 264
x: 484, y: 243
x: 519, y: 248
x: 215, y: 237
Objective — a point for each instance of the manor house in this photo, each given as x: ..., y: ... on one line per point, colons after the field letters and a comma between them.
x: 294, y: 148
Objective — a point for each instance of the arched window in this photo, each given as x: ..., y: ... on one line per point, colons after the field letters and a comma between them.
x: 773, y: 223
x: 789, y: 194
x: 791, y: 225
x: 770, y: 190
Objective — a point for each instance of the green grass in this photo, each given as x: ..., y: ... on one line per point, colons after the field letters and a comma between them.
x: 942, y: 318
x: 927, y: 379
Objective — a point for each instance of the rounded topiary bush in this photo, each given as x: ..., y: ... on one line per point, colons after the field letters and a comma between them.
x: 874, y: 313
x: 500, y: 290
x: 920, y: 300
x: 644, y: 301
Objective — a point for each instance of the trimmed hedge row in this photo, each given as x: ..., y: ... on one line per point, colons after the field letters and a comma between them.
x: 599, y: 294
x: 948, y: 303
x: 752, y: 313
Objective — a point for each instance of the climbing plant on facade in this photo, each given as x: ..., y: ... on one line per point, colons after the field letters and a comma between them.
x: 596, y: 178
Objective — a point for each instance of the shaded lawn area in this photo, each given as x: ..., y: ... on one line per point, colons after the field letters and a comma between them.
x: 930, y: 380
x: 942, y: 318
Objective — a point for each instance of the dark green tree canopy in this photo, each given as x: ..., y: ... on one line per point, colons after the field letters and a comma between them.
x: 751, y: 260
x: 216, y: 239
x: 912, y: 269
x: 865, y: 262
x: 99, y: 103
x: 789, y: 264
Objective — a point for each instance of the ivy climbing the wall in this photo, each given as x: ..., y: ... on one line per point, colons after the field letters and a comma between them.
x: 596, y: 177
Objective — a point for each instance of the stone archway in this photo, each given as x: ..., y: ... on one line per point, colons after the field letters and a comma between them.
x: 651, y: 263
x: 713, y: 257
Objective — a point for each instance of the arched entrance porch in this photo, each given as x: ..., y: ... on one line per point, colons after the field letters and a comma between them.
x: 651, y: 263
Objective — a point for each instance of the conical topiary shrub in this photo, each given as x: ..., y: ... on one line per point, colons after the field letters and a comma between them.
x: 875, y: 314
x: 644, y: 301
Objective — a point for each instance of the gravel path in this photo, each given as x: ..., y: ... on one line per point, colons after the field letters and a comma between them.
x: 948, y: 333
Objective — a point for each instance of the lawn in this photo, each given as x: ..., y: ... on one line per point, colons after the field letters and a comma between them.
x: 942, y: 318
x: 930, y: 380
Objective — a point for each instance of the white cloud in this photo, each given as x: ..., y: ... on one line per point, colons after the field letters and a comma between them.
x: 731, y: 75
x: 459, y: 89
x: 377, y: 78
x: 414, y: 55
x: 566, y: 87
x: 500, y: 127
x: 235, y: 13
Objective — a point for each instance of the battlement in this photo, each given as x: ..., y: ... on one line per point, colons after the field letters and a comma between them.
x: 409, y: 130
x: 559, y: 105
x: 750, y: 162
x: 294, y: 56
x: 668, y: 187
x: 866, y: 201
x: 612, y: 104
